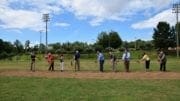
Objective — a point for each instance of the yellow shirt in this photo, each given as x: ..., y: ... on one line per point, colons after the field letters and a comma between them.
x: 146, y: 57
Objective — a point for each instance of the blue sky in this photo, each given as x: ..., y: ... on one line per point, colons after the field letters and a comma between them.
x: 82, y: 20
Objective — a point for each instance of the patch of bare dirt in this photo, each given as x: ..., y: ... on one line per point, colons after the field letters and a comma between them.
x: 92, y: 74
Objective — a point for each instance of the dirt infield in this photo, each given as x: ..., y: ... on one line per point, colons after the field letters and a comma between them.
x: 92, y: 74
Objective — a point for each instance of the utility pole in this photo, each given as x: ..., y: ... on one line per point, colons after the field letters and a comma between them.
x: 176, y: 9
x: 46, y: 19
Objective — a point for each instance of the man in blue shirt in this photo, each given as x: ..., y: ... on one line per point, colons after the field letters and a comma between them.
x: 101, y: 60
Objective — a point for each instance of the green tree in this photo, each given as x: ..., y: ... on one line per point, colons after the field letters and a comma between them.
x: 163, y: 36
x: 42, y: 48
x: 36, y: 48
x: 55, y: 46
x: 67, y: 47
x: 111, y: 39
x: 27, y: 47
x: 6, y: 49
x: 115, y: 40
x: 1, y: 45
x: 149, y: 45
x: 125, y: 45
x: 19, y: 46
x: 97, y: 47
x: 103, y: 39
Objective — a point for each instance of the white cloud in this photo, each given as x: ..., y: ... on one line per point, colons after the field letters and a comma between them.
x: 32, y: 44
x: 25, y: 14
x: 98, y: 11
x: 20, y: 19
x: 96, y: 22
x: 4, y: 3
x: 166, y: 16
x: 62, y: 24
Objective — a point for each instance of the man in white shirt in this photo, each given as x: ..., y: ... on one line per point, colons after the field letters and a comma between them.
x: 126, y: 59
x: 162, y: 59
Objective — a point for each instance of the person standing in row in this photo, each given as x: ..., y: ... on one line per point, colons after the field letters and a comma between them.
x: 113, y: 61
x: 162, y: 59
x: 61, y: 59
x: 101, y: 60
x: 33, y: 58
x: 77, y: 61
x: 147, y: 61
x: 126, y: 59
x: 51, y: 62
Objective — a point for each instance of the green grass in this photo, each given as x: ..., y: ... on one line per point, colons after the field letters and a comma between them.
x: 56, y: 89
x: 90, y: 65
x: 88, y: 62
x: 64, y: 89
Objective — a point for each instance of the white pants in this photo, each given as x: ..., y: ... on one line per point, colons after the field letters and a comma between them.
x: 62, y: 65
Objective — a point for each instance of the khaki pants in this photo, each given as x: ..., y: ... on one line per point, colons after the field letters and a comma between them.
x: 77, y: 65
x: 113, y: 65
x: 62, y: 66
x: 32, y: 65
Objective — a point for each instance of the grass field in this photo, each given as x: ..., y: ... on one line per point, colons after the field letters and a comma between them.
x: 90, y: 65
x: 14, y: 88
x: 43, y: 89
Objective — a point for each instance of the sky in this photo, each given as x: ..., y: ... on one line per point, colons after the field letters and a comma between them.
x: 82, y: 20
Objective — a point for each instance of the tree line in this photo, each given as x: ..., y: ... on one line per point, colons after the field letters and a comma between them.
x: 164, y: 36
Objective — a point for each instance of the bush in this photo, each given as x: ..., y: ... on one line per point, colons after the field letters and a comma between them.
x: 3, y: 55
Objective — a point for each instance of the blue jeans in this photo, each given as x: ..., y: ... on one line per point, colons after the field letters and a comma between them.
x: 101, y: 63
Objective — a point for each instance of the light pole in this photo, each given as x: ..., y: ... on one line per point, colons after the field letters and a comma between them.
x: 176, y: 9
x: 135, y: 43
x: 46, y: 19
x: 40, y: 36
x: 109, y: 39
x: 40, y: 40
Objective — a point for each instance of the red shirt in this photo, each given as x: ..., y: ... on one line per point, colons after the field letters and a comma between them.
x: 50, y: 58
